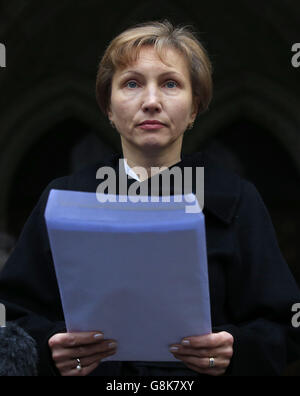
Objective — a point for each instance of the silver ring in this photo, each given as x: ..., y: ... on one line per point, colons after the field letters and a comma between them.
x: 211, y: 362
x: 78, y: 367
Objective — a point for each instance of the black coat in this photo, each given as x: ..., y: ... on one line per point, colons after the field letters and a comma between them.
x: 252, y: 289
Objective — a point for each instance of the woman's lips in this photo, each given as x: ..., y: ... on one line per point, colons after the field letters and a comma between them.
x: 151, y: 126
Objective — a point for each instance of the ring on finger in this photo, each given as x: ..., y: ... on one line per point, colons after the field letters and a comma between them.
x: 211, y: 362
x: 78, y: 367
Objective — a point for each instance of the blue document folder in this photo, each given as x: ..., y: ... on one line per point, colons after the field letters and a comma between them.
x: 136, y: 271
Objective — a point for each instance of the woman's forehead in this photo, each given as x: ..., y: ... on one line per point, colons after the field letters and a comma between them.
x: 167, y: 60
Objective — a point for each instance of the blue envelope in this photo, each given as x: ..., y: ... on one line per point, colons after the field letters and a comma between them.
x: 136, y: 271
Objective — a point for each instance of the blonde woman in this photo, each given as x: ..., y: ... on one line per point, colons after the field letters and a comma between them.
x: 153, y: 81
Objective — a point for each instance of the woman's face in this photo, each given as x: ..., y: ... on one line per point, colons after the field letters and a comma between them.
x: 151, y: 102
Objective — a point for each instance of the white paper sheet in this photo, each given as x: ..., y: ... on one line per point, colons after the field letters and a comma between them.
x: 135, y: 271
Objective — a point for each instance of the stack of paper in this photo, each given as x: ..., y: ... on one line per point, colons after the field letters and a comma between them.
x: 135, y: 271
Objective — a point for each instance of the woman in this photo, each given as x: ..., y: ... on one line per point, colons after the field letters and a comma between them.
x: 153, y: 81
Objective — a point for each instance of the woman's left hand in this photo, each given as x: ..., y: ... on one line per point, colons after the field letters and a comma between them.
x: 207, y: 354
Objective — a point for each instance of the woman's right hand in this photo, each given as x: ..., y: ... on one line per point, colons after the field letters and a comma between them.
x: 89, y: 347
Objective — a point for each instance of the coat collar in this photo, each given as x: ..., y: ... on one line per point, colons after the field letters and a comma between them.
x: 222, y: 188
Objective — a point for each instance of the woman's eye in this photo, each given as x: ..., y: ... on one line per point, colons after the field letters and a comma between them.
x: 171, y: 84
x: 131, y: 84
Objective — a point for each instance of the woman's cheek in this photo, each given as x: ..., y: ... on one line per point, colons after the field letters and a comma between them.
x: 127, y: 106
x: 180, y: 114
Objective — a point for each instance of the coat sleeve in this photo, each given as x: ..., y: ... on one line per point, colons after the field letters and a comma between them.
x: 28, y: 286
x: 261, y: 293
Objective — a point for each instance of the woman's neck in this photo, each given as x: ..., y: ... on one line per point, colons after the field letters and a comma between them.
x: 152, y: 164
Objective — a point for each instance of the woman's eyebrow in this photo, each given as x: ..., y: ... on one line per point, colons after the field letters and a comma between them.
x: 131, y: 72
x: 170, y: 72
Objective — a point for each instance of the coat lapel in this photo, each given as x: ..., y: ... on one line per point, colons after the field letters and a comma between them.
x: 222, y: 188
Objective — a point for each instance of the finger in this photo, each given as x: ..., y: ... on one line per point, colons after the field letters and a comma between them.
x: 86, y: 361
x: 201, y: 352
x: 203, y: 363
x: 61, y: 355
x: 209, y: 341
x: 189, y: 351
x: 212, y: 340
x: 69, y: 340
x: 82, y: 373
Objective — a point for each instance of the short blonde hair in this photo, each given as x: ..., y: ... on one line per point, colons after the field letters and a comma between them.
x: 124, y: 50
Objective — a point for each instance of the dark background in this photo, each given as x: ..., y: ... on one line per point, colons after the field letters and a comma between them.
x: 50, y: 124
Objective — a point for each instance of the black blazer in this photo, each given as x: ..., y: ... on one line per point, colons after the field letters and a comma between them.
x: 252, y: 290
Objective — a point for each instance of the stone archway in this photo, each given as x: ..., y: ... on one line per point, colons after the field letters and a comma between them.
x: 259, y: 100
x: 34, y: 115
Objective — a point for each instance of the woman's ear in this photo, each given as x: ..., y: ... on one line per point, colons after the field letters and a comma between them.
x: 194, y: 113
x: 110, y: 117
x: 195, y: 108
x: 109, y: 112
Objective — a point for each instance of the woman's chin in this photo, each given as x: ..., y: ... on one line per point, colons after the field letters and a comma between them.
x: 153, y: 145
x: 158, y: 140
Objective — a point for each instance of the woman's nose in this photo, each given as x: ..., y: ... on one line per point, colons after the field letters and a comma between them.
x: 151, y: 101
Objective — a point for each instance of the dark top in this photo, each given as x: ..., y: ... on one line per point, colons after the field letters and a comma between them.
x: 252, y: 289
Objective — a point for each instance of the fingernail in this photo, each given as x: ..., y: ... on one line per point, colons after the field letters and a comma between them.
x: 112, y: 345
x: 98, y: 336
x: 185, y: 342
x: 174, y: 348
